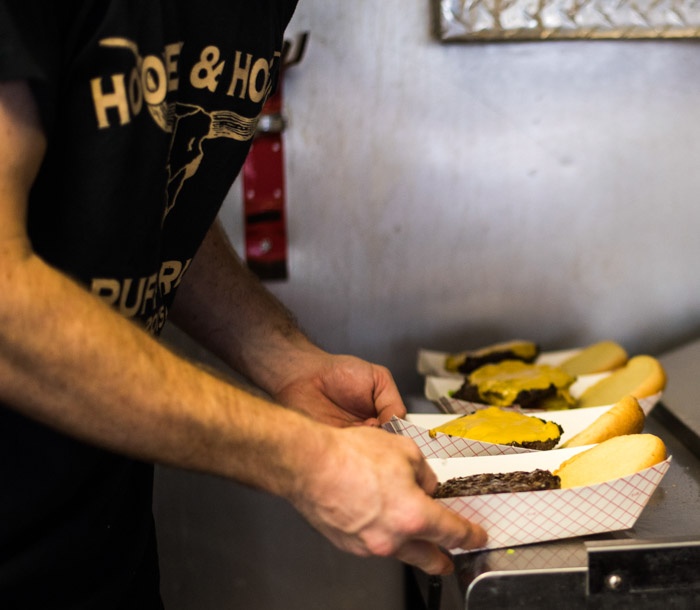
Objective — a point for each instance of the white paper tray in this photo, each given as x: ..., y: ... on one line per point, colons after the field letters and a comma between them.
x: 512, y: 519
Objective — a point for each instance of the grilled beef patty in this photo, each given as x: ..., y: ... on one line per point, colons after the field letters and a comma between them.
x: 506, y: 482
x: 526, y: 399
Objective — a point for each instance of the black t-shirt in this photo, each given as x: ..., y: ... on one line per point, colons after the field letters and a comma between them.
x: 149, y: 108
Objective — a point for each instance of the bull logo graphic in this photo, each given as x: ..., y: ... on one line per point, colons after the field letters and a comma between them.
x: 190, y: 125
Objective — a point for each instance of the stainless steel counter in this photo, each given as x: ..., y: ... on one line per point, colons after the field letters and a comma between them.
x: 655, y: 564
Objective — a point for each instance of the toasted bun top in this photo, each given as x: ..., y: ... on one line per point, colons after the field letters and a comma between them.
x: 617, y: 457
x: 596, y: 358
x: 625, y: 417
x: 642, y: 376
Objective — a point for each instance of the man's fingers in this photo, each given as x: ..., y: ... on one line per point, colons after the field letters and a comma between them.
x: 449, y: 530
x: 426, y: 556
x: 425, y: 476
x: 429, y: 557
x: 442, y: 526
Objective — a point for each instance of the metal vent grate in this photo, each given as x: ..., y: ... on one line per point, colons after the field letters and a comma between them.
x: 481, y: 20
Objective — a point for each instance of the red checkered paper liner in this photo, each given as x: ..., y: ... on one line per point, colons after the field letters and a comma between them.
x: 446, y: 446
x: 512, y: 519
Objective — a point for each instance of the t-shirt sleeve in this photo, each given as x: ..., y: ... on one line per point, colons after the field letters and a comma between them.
x: 30, y: 49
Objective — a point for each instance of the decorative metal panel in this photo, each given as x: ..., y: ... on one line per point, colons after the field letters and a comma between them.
x: 481, y: 20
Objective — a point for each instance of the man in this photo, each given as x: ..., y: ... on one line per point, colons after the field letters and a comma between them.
x: 122, y: 126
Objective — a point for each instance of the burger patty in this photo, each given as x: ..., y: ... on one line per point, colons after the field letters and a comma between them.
x: 550, y: 443
x: 526, y: 399
x: 505, y: 482
x: 473, y: 362
x: 467, y: 361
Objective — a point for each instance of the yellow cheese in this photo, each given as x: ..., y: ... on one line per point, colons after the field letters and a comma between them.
x: 500, y: 384
x: 495, y: 425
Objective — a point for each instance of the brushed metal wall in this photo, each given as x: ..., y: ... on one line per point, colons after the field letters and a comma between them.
x: 445, y: 196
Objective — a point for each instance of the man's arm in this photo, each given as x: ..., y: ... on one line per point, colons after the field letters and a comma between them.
x: 226, y: 308
x: 223, y: 306
x: 71, y: 362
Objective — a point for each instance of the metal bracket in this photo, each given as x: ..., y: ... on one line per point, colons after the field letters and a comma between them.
x: 299, y: 48
x: 623, y: 569
x: 271, y: 123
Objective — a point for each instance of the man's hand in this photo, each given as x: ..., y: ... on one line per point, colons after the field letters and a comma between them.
x: 342, y: 390
x: 225, y: 308
x: 370, y: 495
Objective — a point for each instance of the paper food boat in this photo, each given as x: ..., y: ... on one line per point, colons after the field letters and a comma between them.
x: 431, y: 362
x: 512, y: 519
x: 439, y: 390
x: 417, y: 425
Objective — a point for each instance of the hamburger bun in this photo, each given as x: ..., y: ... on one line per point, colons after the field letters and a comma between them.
x: 596, y: 358
x: 625, y: 417
x: 614, y: 458
x: 642, y: 376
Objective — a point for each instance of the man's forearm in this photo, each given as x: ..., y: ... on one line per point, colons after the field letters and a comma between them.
x: 85, y: 370
x: 70, y: 361
x: 224, y: 307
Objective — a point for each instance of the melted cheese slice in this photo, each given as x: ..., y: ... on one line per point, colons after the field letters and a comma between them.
x: 494, y: 425
x: 499, y: 384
